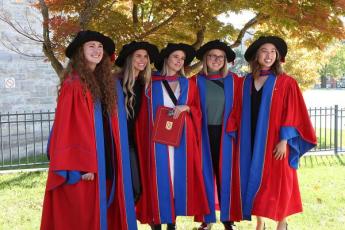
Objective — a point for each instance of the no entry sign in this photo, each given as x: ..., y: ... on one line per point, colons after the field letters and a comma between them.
x: 10, y: 83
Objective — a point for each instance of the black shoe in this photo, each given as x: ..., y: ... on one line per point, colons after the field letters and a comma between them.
x: 156, y: 226
x: 171, y: 226
x: 229, y: 225
x: 203, y: 226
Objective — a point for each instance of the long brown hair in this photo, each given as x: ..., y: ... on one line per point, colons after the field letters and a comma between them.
x: 99, y: 82
x: 255, y: 67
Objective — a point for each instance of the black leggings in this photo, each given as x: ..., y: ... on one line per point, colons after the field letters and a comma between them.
x: 215, y: 136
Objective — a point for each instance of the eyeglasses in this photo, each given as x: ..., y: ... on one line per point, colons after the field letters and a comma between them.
x: 215, y: 57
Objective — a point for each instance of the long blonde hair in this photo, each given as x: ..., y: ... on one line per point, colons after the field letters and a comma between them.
x: 223, y: 71
x: 128, y: 81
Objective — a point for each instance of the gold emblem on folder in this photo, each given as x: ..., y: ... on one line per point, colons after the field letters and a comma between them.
x: 169, y: 125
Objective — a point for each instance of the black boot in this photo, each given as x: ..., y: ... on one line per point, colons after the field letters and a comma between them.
x: 171, y: 226
x: 229, y: 225
x: 156, y: 226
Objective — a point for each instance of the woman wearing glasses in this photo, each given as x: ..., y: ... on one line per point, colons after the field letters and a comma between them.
x: 216, y: 87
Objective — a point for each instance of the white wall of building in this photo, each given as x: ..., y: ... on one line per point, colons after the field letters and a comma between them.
x: 26, y: 84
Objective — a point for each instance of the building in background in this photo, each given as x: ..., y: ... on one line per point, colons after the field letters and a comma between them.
x: 26, y: 83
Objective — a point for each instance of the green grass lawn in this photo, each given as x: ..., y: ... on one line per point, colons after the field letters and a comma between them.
x: 322, y: 186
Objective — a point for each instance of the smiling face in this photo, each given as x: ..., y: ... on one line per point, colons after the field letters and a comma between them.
x: 93, y: 52
x: 175, y: 62
x: 140, y: 60
x: 267, y: 55
x: 215, y: 60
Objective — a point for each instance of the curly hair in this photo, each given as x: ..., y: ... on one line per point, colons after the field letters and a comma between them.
x: 99, y: 82
x: 255, y: 67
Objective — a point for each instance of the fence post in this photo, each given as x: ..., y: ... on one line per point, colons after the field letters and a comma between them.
x: 336, y: 129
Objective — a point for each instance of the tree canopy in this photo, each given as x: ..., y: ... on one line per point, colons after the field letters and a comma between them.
x: 335, y: 67
x: 313, y: 24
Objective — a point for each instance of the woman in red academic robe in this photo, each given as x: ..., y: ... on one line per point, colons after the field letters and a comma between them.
x: 217, y: 87
x: 274, y: 132
x: 172, y: 176
x: 89, y: 183
x: 135, y: 75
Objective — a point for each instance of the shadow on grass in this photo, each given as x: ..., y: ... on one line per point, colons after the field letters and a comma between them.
x: 340, y: 159
x: 19, y: 179
x: 322, y: 160
x: 25, y: 166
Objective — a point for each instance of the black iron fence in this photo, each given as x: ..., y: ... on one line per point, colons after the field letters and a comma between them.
x: 329, y: 125
x: 24, y: 136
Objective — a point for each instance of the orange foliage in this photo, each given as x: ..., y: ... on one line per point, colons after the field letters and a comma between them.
x: 313, y: 21
x: 63, y: 28
x: 340, y: 4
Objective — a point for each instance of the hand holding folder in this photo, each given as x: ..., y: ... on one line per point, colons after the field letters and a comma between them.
x: 166, y: 129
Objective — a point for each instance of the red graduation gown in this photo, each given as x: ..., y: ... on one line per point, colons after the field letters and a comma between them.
x: 230, y: 206
x: 269, y: 187
x: 161, y: 201
x: 69, y: 202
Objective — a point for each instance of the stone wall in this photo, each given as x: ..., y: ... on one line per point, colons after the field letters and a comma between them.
x: 26, y: 83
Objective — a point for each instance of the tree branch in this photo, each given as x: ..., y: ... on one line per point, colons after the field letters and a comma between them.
x: 157, y: 27
x: 47, y: 47
x: 135, y: 14
x: 8, y: 44
x: 85, y: 15
x: 196, y: 67
x: 258, y: 18
x: 107, y: 8
x: 16, y: 26
x: 200, y: 35
x: 32, y: 32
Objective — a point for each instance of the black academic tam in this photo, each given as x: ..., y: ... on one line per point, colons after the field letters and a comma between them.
x: 278, y: 42
x: 172, y: 47
x: 216, y: 44
x: 131, y: 47
x: 89, y: 35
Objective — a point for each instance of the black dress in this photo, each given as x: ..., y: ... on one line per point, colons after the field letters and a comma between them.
x: 255, y: 108
x: 109, y: 146
x: 135, y: 170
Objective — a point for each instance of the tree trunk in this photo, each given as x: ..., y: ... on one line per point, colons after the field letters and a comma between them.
x: 47, y: 45
x: 323, y: 82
